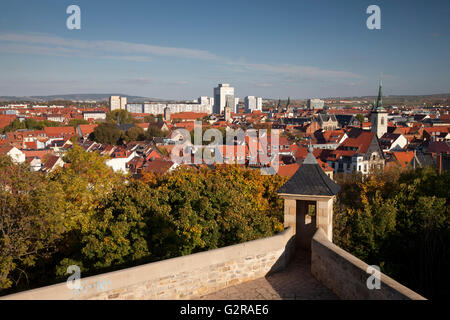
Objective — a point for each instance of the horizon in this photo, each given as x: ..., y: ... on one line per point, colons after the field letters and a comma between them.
x: 240, y: 98
x: 178, y: 51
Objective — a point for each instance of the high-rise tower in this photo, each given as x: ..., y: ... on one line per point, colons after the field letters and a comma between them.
x: 221, y: 94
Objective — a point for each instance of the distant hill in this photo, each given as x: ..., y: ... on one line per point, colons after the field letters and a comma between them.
x: 78, y: 97
x: 403, y: 99
x: 387, y: 99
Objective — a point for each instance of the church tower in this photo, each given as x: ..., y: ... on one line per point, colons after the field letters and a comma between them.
x: 378, y: 116
x: 166, y: 114
x: 227, y: 112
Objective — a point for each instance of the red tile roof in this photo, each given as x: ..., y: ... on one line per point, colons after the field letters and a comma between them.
x: 59, y: 131
x: 361, y: 143
x: 158, y: 166
x: 288, y: 170
x: 188, y: 115
x: 37, y: 153
x: 403, y: 158
x: 87, y: 129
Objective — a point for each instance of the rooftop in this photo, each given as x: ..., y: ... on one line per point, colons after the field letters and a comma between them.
x: 310, y: 179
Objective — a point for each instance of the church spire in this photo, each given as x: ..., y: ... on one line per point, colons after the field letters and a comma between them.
x: 379, y: 104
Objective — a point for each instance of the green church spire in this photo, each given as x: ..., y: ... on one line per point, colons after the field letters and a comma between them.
x: 379, y: 105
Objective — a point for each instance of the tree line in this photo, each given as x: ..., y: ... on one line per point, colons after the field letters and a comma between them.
x: 399, y: 220
x: 87, y: 215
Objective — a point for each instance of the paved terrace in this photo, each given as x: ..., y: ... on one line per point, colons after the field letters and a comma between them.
x: 294, y: 283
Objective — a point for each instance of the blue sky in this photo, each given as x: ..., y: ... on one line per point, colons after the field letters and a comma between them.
x: 182, y: 49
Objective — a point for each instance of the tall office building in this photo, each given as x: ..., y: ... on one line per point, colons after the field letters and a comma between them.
x: 252, y: 103
x: 117, y: 102
x: 114, y: 103
x: 259, y: 104
x: 123, y: 103
x: 236, y: 103
x: 221, y: 94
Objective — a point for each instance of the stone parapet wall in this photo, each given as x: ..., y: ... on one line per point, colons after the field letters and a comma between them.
x: 183, y: 277
x: 346, y: 275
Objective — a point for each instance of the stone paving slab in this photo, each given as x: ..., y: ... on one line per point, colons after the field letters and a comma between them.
x: 294, y: 283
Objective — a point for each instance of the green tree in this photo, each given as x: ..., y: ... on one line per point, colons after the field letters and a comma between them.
x: 400, y: 221
x: 154, y: 131
x: 360, y: 117
x: 30, y: 124
x: 106, y: 133
x: 31, y: 220
x: 135, y: 134
x: 120, y: 116
x: 117, y: 232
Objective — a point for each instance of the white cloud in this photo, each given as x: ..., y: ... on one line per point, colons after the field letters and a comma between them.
x: 304, y: 71
x: 51, y: 45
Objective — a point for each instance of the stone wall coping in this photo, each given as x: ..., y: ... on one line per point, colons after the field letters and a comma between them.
x: 289, y: 196
x: 160, y: 269
x: 321, y: 239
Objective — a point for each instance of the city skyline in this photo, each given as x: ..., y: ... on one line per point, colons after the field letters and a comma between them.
x: 177, y: 50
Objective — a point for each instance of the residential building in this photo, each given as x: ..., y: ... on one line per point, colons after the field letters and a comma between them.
x: 14, y: 153
x: 114, y: 103
x: 94, y: 115
x: 252, y: 103
x: 123, y: 103
x: 313, y: 104
x: 360, y: 152
x: 393, y: 142
x: 158, y: 108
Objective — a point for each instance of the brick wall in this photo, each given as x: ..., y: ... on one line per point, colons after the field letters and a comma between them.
x: 180, y: 278
x: 346, y: 275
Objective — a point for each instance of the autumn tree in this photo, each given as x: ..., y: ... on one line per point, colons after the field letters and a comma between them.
x: 399, y: 220
x: 31, y: 220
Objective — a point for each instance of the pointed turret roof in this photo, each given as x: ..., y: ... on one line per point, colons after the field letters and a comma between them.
x: 379, y: 104
x: 310, y: 179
